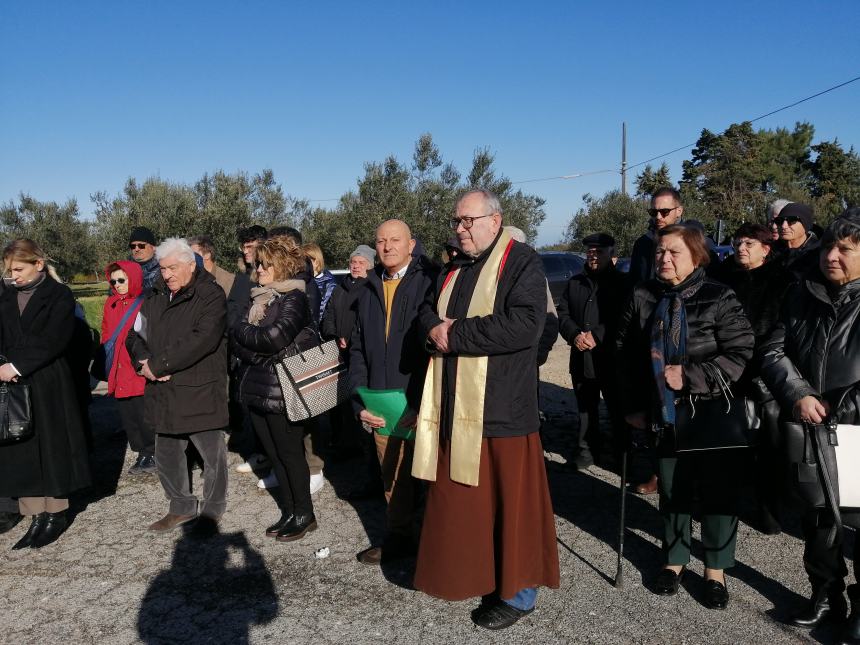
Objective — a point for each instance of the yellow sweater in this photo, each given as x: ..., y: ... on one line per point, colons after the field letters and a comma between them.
x: 389, y: 287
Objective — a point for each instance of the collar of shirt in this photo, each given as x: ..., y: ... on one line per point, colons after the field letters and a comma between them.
x: 396, y: 276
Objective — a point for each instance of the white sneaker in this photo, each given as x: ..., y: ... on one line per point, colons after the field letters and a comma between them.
x: 269, y: 481
x: 254, y: 461
x: 317, y: 483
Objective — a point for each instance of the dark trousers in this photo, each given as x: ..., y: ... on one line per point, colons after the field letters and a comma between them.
x: 284, y: 446
x: 8, y: 505
x: 708, y: 479
x: 825, y: 565
x: 175, y: 476
x: 588, y: 393
x: 141, y: 439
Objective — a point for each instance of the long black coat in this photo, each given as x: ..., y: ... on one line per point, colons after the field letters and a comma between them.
x: 814, y: 349
x: 400, y: 361
x: 184, y: 337
x: 258, y: 346
x: 718, y: 332
x: 54, y: 463
x: 509, y: 336
x: 592, y: 302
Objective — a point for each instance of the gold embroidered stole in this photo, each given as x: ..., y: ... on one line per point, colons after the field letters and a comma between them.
x: 467, y: 429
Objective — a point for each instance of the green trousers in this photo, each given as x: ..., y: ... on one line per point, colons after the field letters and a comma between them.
x: 710, y: 480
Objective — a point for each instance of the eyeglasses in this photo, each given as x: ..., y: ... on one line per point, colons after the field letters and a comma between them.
x: 660, y: 212
x: 137, y: 245
x: 117, y: 281
x: 790, y: 220
x: 467, y: 222
x: 747, y: 244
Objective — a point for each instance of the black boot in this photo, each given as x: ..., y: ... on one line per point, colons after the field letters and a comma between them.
x: 9, y: 520
x: 55, y: 526
x: 826, y: 603
x: 296, y: 528
x: 851, y: 633
x: 273, y: 530
x: 36, y: 527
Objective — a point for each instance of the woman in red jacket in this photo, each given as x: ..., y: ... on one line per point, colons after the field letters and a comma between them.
x: 124, y: 383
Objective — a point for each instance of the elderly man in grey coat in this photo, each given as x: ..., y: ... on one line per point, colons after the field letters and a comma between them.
x: 178, y: 344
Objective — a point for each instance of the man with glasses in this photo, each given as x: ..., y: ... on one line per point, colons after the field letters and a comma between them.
x: 141, y: 246
x: 666, y: 209
x: 797, y: 244
x: 488, y: 527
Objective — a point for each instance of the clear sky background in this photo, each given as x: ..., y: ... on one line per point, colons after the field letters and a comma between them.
x: 92, y: 93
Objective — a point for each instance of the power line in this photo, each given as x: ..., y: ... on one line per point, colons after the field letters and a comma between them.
x: 690, y: 145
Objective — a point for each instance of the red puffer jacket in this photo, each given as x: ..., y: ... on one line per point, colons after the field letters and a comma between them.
x: 123, y: 381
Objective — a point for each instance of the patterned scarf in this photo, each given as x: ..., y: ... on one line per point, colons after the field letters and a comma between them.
x: 669, y: 339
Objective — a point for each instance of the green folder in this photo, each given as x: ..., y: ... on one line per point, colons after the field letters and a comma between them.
x: 391, y: 405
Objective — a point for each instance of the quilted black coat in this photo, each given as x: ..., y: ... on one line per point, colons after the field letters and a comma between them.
x: 257, y: 347
x: 718, y: 333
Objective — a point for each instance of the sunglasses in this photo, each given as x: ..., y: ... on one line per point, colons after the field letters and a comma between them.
x: 660, y: 212
x: 116, y: 281
x: 139, y: 245
x: 791, y: 219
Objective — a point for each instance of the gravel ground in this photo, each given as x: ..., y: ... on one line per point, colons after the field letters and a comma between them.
x: 110, y: 581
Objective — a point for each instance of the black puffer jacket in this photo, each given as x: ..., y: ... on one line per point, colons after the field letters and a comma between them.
x: 718, y: 333
x: 286, y: 325
x: 814, y: 350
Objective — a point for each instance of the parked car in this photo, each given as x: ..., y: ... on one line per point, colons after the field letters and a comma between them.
x: 623, y: 265
x: 559, y: 267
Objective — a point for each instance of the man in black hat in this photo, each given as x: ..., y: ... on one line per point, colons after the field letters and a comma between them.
x: 587, y: 314
x: 141, y: 246
x: 797, y: 244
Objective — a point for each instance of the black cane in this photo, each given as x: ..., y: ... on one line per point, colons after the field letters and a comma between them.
x: 619, y: 572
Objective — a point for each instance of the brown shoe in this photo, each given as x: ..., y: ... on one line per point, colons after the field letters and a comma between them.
x: 647, y: 488
x: 372, y: 556
x: 170, y: 522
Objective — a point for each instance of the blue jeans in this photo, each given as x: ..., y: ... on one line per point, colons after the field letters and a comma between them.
x: 524, y: 600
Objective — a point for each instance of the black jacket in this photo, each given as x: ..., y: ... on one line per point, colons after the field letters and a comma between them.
x: 718, y: 333
x: 312, y: 291
x: 286, y: 323
x: 800, y: 262
x: 400, y: 361
x: 184, y: 337
x: 814, y: 349
x: 592, y: 302
x: 509, y: 336
x: 54, y: 462
x: 339, y: 317
x: 642, y: 259
x: 237, y: 299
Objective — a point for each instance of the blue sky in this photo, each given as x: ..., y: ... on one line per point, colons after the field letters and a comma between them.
x: 95, y: 92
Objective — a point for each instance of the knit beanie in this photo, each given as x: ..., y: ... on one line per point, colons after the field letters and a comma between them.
x: 803, y: 212
x: 364, y: 251
x: 142, y: 234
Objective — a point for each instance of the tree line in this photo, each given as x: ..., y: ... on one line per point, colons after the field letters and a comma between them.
x: 732, y: 176
x: 422, y: 193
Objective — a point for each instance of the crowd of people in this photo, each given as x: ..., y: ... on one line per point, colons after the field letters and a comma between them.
x: 189, y: 352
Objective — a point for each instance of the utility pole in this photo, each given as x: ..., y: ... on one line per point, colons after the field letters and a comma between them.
x: 624, y: 157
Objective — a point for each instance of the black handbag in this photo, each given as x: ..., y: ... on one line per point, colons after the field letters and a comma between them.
x: 16, y: 418
x: 715, y: 423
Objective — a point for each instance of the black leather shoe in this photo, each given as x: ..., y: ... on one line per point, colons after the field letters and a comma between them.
x: 36, y: 527
x: 273, y: 530
x: 499, y: 615
x: 716, y: 595
x: 9, y: 520
x: 668, y: 582
x: 55, y: 525
x: 822, y: 606
x: 297, y: 528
